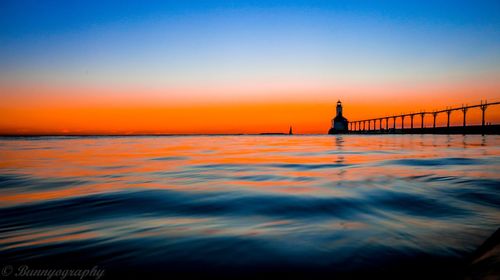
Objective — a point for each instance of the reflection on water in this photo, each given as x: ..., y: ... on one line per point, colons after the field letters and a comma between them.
x: 257, y: 203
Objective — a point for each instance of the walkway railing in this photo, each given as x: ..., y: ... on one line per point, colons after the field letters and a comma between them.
x: 370, y: 125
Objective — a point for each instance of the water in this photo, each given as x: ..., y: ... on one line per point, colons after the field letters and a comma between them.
x: 249, y: 204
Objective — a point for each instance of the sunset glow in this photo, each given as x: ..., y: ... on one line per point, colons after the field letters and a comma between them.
x: 239, y: 67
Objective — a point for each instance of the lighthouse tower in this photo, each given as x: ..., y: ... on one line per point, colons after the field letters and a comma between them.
x: 339, y: 123
x: 339, y: 108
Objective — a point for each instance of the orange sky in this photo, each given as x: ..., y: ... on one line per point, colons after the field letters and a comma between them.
x: 66, y: 110
x: 239, y: 66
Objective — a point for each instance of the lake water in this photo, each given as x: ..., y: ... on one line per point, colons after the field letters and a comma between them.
x: 235, y: 205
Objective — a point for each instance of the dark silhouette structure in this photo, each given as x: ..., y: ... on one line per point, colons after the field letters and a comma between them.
x: 290, y: 132
x: 365, y: 126
x: 339, y: 123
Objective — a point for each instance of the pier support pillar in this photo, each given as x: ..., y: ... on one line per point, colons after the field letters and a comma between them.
x: 411, y: 124
x: 448, y: 112
x: 394, y: 123
x: 483, y: 111
x: 402, y: 122
x: 434, y: 114
x: 464, y: 110
x: 422, y: 120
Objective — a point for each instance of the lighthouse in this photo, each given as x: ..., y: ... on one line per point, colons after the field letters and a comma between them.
x: 339, y: 123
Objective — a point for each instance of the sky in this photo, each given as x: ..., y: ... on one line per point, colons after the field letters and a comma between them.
x: 106, y: 67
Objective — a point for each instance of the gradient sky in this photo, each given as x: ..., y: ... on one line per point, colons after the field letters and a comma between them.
x: 239, y: 66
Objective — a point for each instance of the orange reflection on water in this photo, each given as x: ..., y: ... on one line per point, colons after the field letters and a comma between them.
x: 317, y: 196
x: 48, y: 236
x: 278, y: 164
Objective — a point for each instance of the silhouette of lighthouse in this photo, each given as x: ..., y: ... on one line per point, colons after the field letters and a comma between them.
x: 339, y: 123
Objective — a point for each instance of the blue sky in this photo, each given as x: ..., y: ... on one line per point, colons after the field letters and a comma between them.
x: 238, y: 43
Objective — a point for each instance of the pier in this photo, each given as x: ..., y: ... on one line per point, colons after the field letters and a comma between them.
x: 395, y: 124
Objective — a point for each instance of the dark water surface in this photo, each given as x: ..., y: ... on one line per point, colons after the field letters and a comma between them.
x: 247, y: 204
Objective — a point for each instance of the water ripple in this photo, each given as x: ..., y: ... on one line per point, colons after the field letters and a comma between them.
x: 300, y: 204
